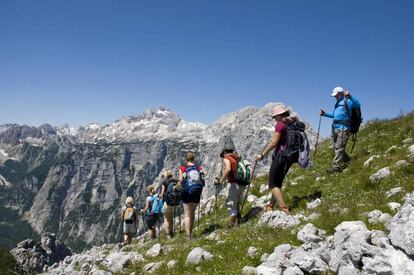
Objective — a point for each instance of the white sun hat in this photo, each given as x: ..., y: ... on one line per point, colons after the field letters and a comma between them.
x: 337, y: 90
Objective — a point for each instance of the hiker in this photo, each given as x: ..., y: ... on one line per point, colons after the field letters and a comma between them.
x: 151, y: 216
x: 235, y: 192
x: 340, y: 127
x: 171, y: 194
x: 280, y: 165
x: 130, y: 220
x: 191, y: 181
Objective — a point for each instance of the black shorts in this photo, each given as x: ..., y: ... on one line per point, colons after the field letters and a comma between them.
x: 187, y: 198
x: 278, y: 170
x: 152, y: 220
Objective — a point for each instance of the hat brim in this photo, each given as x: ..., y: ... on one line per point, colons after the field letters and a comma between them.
x: 334, y: 94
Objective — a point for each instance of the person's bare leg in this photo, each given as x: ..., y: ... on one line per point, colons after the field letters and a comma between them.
x: 277, y: 194
x: 125, y: 238
x: 187, y: 219
x: 193, y: 207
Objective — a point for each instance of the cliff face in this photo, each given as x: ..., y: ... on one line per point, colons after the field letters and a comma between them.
x: 74, y: 181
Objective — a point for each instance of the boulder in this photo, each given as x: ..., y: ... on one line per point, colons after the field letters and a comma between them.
x: 394, y: 206
x: 154, y: 251
x: 171, y: 264
x: 377, y: 216
x: 402, y: 163
x: 198, y: 255
x: 115, y: 262
x: 293, y: 270
x: 314, y: 204
x: 394, y: 191
x: 308, y: 261
x: 348, y: 270
x: 309, y: 233
x: 370, y: 160
x: 278, y: 219
x: 252, y: 252
x: 407, y: 141
x: 402, y: 228
x: 350, y: 244
x: 380, y: 174
x: 34, y: 257
x: 275, y: 262
x: 249, y: 270
x: 411, y: 151
x: 388, y: 261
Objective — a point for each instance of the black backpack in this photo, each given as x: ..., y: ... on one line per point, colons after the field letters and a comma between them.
x: 172, y: 197
x: 355, y: 117
x: 297, y: 145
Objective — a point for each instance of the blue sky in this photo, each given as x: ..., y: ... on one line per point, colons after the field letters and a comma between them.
x: 95, y: 61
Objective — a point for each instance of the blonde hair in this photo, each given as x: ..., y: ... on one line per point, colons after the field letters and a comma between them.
x: 150, y: 188
x: 130, y: 201
x: 168, y: 174
x: 189, y: 157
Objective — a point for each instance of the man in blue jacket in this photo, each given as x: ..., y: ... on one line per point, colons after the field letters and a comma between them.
x: 340, y: 127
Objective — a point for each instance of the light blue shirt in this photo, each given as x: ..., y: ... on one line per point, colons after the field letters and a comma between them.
x: 341, y: 119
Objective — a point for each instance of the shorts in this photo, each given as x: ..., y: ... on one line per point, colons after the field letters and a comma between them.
x: 152, y: 220
x: 129, y: 227
x: 278, y: 170
x: 194, y: 198
x: 169, y: 211
x: 234, y: 198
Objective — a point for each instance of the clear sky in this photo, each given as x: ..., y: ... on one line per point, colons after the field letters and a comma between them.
x: 95, y: 61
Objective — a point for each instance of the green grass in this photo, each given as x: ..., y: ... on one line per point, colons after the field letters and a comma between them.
x: 6, y: 262
x: 345, y: 196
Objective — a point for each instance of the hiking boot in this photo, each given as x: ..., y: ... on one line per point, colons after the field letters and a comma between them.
x: 333, y: 170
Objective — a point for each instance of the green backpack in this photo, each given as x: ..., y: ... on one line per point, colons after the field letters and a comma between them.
x: 243, y: 172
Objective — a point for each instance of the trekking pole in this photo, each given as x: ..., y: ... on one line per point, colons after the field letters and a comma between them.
x: 216, y: 185
x: 248, y: 188
x: 317, y: 136
x: 198, y: 219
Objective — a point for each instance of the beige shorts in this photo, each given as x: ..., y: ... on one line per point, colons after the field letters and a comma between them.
x: 169, y: 211
x: 130, y: 228
x: 235, y: 198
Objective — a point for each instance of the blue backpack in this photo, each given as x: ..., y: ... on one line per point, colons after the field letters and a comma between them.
x: 156, y: 205
x: 194, y: 180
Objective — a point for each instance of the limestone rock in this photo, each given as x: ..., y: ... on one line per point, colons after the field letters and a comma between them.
x: 171, y: 264
x: 252, y: 252
x: 278, y: 219
x: 377, y: 216
x: 402, y: 228
x: 308, y: 261
x: 293, y: 270
x: 394, y: 191
x: 309, y: 233
x: 370, y: 160
x: 314, y: 204
x: 249, y: 270
x: 380, y: 174
x: 154, y: 251
x: 198, y: 255
x: 394, y: 206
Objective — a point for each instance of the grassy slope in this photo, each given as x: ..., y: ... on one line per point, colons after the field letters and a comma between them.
x: 351, y: 190
x: 6, y: 262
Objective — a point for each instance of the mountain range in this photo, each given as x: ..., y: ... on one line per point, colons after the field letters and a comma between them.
x: 73, y: 181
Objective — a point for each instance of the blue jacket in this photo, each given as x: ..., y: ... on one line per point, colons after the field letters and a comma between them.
x: 341, y: 119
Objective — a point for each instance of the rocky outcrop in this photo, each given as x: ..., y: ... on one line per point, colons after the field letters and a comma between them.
x: 353, y: 249
x: 279, y: 219
x: 34, y: 257
x: 402, y: 227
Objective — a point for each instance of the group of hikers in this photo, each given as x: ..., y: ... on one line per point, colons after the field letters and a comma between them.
x: 289, y: 145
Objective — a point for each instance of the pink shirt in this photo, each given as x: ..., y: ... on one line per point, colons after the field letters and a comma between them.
x: 281, y: 128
